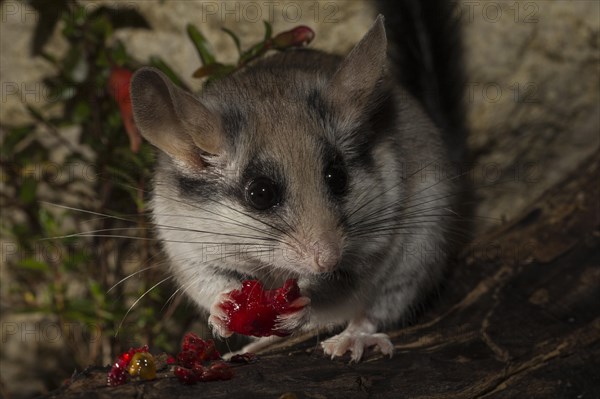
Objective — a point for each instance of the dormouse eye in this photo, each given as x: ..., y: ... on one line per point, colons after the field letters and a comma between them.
x: 336, y: 178
x: 262, y: 193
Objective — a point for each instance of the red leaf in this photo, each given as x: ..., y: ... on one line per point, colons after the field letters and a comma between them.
x: 118, y: 87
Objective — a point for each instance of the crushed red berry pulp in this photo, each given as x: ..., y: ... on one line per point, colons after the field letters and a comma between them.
x: 198, y: 361
x: 193, y: 361
x: 252, y: 310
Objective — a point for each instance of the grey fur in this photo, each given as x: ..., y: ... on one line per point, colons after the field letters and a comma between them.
x: 286, y: 117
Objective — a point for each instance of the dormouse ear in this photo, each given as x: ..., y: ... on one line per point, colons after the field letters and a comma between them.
x: 353, y: 83
x: 172, y: 119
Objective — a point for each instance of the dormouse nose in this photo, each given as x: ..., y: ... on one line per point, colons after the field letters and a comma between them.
x: 327, y: 252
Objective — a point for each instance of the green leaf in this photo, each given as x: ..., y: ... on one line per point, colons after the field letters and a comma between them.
x: 79, y: 15
x: 97, y: 291
x: 253, y: 52
x: 33, y: 264
x: 106, y: 315
x: 113, y: 122
x: 99, y: 30
x: 122, y: 17
x: 201, y: 45
x: 75, y: 260
x: 48, y: 221
x: 37, y: 115
x: 82, y: 112
x: 103, y: 63
x: 72, y: 63
x: 82, y: 310
x: 28, y: 190
x: 44, y: 309
x: 268, y: 30
x: 119, y: 53
x: 49, y: 57
x: 14, y: 137
x: 235, y: 39
x: 215, y: 70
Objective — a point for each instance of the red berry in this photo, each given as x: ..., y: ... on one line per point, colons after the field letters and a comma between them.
x: 187, y: 358
x: 195, y: 351
x: 202, y: 350
x: 217, y: 371
x: 253, y: 311
x: 211, y: 352
x: 185, y: 376
x: 198, y: 369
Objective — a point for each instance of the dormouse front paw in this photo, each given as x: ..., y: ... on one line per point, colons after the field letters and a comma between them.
x: 218, y: 319
x: 252, y: 310
x: 295, y: 317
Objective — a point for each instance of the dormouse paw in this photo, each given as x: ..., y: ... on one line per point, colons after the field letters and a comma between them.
x: 296, y: 317
x: 218, y: 318
x: 356, y: 342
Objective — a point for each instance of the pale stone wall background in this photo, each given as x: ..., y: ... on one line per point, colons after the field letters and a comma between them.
x: 532, y: 93
x: 532, y: 73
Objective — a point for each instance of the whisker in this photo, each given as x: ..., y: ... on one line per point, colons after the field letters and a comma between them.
x: 216, y: 214
x: 87, y: 211
x: 377, y: 195
x: 129, y: 276
x: 136, y: 302
x: 162, y: 240
x: 159, y: 225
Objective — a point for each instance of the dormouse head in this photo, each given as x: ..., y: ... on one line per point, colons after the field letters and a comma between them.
x: 276, y: 157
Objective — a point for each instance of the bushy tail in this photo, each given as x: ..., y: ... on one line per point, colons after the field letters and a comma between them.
x: 425, y: 48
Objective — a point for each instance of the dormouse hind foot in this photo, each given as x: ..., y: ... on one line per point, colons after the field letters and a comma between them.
x: 358, y: 336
